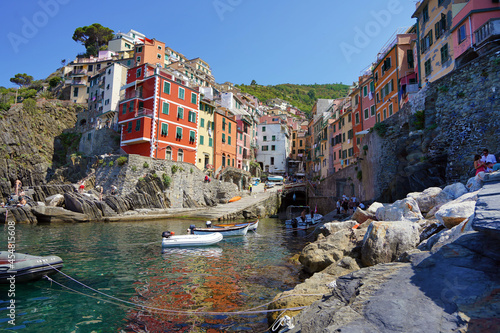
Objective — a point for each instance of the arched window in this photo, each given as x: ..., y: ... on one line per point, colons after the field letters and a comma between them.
x: 168, y: 153
x: 180, y: 155
x: 223, y: 160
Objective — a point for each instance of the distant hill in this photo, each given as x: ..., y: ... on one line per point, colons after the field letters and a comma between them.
x: 302, y: 96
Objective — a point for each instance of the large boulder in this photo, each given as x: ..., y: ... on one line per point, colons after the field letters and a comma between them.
x: 474, y: 184
x: 118, y: 203
x: 386, y: 241
x: 361, y: 216
x: 487, y: 214
x: 372, y: 210
x: 455, y: 190
x: 325, y: 251
x: 401, y: 210
x: 56, y: 200
x: 47, y: 214
x: 431, y: 197
x: 332, y: 227
x: 446, y: 236
x: 455, y: 212
x: 79, y: 203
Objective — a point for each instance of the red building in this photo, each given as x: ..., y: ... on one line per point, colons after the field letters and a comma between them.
x: 159, y: 115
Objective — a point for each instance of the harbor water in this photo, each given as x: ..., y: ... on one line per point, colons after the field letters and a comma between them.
x: 153, y: 290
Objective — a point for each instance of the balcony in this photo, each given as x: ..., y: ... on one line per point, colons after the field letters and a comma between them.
x: 143, y: 112
x: 132, y: 94
x: 79, y: 72
x: 487, y: 30
x: 78, y: 82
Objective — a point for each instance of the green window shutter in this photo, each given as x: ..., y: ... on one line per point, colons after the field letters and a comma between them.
x: 131, y: 107
x: 181, y: 93
x: 180, y: 112
x: 229, y: 124
x: 228, y: 140
x: 193, y: 98
x: 202, y: 122
x: 210, y: 142
x: 202, y: 140
x: 124, y: 108
x: 165, y: 108
x: 179, y: 133
x: 164, y: 129
x: 129, y: 128
x: 223, y: 137
x: 192, y: 136
x: 166, y: 87
x: 138, y: 125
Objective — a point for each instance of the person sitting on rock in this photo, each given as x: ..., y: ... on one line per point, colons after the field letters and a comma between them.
x: 479, y: 165
x: 22, y: 202
x: 488, y: 158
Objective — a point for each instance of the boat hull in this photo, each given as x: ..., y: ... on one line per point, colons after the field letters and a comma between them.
x: 226, y: 232
x: 252, y: 226
x: 27, y: 267
x: 298, y: 223
x: 192, y: 240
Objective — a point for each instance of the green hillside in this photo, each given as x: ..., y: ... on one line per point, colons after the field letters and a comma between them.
x: 302, y: 96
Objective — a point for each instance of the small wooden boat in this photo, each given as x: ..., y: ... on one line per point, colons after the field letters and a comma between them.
x: 226, y: 231
x: 295, y: 221
x: 172, y: 240
x: 233, y: 199
x: 251, y: 225
x: 25, y: 267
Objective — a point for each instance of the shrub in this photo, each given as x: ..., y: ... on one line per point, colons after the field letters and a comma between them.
x: 145, y: 165
x: 100, y: 162
x: 141, y: 179
x: 381, y: 129
x: 174, y: 169
x: 29, y: 105
x: 359, y: 175
x: 111, y: 163
x: 166, y: 180
x: 191, y: 170
x: 121, y: 160
x: 134, y: 168
x: 419, y: 120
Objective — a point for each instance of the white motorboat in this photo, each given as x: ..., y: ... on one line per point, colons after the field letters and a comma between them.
x: 225, y: 231
x: 25, y: 267
x: 172, y: 240
x: 296, y: 221
x: 252, y: 226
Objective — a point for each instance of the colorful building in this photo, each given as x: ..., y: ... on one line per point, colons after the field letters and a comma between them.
x: 475, y: 29
x: 224, y: 139
x: 273, y: 139
x: 159, y: 115
x: 149, y: 51
x: 206, y: 135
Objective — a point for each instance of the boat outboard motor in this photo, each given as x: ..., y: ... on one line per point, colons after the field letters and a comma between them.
x: 166, y: 234
x: 295, y: 223
x: 209, y: 224
x: 191, y: 228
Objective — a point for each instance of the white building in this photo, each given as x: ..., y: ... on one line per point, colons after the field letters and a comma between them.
x: 273, y: 142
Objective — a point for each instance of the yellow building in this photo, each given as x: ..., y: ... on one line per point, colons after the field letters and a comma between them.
x: 205, y: 154
x: 435, y: 45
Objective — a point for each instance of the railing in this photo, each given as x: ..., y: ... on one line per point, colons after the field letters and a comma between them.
x: 143, y: 112
x: 79, y: 72
x: 78, y: 82
x: 132, y: 94
x: 487, y: 30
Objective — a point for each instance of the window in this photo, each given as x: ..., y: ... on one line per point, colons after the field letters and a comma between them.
x: 166, y: 87
x: 129, y: 127
x: 385, y: 113
x: 264, y: 138
x: 165, y: 108
x: 349, y: 117
x: 138, y: 59
x: 210, y: 142
x: 365, y: 91
x: 378, y: 117
x: 273, y: 147
x: 91, y: 68
x: 229, y: 128
x: 202, y: 140
x: 124, y: 108
x: 427, y: 42
x: 180, y: 113
x: 265, y: 148
x: 356, y: 116
x: 366, y: 114
x: 444, y: 53
x: 274, y: 137
x: 131, y: 106
x: 372, y: 86
x: 409, y: 56
x: 223, y: 124
x: 178, y: 134
x: 159, y: 47
x: 180, y: 155
x: 137, y: 125
x: 223, y: 138
x: 138, y: 49
x: 168, y: 153
x: 440, y: 27
x: 372, y: 110
x: 428, y: 68
x: 192, y: 116
x: 181, y: 93
x: 300, y: 143
x: 193, y: 98
x: 390, y: 110
x: 263, y: 128
x: 202, y: 122
x: 138, y: 72
x: 164, y: 129
x: 228, y: 140
x: 75, y: 92
x: 98, y: 67
x: 272, y: 161
x: 461, y: 34
x: 158, y: 56
x: 425, y: 13
x: 358, y: 141
x: 192, y: 136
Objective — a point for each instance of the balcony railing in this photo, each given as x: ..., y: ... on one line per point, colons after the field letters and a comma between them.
x: 79, y: 72
x: 487, y: 30
x: 132, y: 94
x: 143, y: 112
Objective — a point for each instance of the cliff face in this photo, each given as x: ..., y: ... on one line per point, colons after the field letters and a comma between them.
x: 32, y: 143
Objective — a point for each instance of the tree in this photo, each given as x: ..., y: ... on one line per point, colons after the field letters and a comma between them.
x: 93, y: 37
x: 22, y: 80
x: 63, y: 62
x: 54, y: 81
x: 253, y: 83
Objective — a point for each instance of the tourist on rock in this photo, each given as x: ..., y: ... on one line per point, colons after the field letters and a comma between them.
x: 82, y: 186
x: 338, y: 207
x: 488, y: 157
x: 113, y: 189
x: 250, y: 188
x: 18, y: 185
x: 479, y: 165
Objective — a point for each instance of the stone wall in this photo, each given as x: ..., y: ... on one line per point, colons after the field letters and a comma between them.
x: 432, y: 140
x: 99, y: 142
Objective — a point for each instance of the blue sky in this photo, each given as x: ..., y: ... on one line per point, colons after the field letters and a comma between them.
x: 272, y: 42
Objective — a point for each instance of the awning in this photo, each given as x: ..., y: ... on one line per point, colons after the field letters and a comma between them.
x: 363, y: 132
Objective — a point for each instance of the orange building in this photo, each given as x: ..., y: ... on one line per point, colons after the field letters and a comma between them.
x: 391, y: 70
x: 149, y: 51
x: 224, y: 139
x: 159, y: 115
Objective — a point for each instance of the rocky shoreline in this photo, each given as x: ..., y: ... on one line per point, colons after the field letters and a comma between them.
x: 427, y: 263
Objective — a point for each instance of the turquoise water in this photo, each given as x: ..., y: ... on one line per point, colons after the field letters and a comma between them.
x: 125, y: 260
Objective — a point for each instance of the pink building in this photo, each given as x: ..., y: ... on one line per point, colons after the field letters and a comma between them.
x: 243, y: 141
x: 475, y: 29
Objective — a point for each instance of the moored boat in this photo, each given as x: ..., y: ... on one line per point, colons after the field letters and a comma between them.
x: 226, y: 231
x: 295, y: 221
x: 252, y: 226
x: 25, y: 267
x: 233, y: 199
x: 171, y: 240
